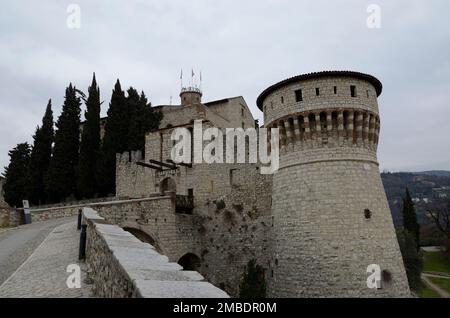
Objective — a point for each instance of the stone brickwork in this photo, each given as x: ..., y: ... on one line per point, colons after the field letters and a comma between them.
x: 2, y: 199
x: 314, y: 226
x: 331, y: 216
x: 5, y: 216
x: 121, y: 266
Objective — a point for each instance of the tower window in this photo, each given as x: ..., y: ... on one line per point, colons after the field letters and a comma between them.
x: 335, y: 90
x: 317, y: 91
x: 242, y: 112
x: 353, y: 90
x: 282, y: 100
x: 299, y: 95
x: 368, y: 94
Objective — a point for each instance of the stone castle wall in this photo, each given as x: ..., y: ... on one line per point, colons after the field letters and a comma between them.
x: 121, y: 266
x: 2, y: 199
x: 331, y: 217
x: 283, y: 102
x: 229, y: 231
x: 5, y: 216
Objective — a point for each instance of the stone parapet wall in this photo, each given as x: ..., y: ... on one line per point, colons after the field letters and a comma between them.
x: 121, y: 266
x: 5, y: 216
x: 44, y: 214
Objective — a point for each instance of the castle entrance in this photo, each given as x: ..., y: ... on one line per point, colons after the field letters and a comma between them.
x: 167, y: 185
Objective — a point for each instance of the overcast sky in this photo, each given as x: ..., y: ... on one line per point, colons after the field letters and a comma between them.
x: 241, y: 47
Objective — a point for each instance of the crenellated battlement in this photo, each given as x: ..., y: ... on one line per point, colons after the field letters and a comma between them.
x: 336, y: 127
x: 129, y: 157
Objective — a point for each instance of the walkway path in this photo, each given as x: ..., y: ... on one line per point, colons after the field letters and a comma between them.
x: 44, y: 274
x: 17, y: 244
x: 426, y: 278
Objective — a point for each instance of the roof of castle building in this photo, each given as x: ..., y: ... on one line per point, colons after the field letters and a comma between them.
x: 222, y: 101
x: 371, y: 79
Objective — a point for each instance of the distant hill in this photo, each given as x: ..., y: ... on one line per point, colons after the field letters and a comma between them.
x: 426, y: 189
x: 438, y: 173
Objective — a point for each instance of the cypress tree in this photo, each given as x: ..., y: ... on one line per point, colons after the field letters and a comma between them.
x: 90, y: 145
x: 135, y: 119
x: 115, y: 140
x: 16, y: 175
x: 150, y: 119
x: 61, y: 176
x: 40, y: 158
x: 412, y: 259
x: 410, y: 223
x: 142, y: 119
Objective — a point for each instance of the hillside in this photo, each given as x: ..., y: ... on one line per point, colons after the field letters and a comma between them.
x: 426, y: 189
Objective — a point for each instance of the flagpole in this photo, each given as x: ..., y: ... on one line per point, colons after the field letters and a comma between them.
x: 181, y: 80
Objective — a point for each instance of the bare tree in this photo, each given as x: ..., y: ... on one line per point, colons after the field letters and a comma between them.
x: 441, y: 216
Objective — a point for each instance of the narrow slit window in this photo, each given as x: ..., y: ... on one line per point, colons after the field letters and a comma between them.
x: 299, y: 95
x: 282, y: 100
x: 317, y: 91
x: 335, y: 90
x: 353, y: 90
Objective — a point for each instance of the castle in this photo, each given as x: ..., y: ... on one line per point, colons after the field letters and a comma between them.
x: 314, y: 226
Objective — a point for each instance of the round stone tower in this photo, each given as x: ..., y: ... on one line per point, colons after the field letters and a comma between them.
x: 331, y: 218
x: 190, y: 96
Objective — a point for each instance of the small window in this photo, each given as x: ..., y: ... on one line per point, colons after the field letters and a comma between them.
x: 242, y: 112
x: 353, y: 90
x: 190, y: 193
x: 335, y: 90
x: 368, y: 94
x: 317, y: 91
x: 282, y: 100
x: 299, y: 95
x: 243, y: 125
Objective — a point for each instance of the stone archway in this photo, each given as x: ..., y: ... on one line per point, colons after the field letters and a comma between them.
x: 167, y: 185
x: 190, y: 262
x: 144, y: 237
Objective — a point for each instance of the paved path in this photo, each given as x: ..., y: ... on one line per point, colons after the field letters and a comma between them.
x: 44, y: 274
x: 436, y: 288
x: 17, y: 244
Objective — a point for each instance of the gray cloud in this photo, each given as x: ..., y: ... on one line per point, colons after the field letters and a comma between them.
x: 241, y: 47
